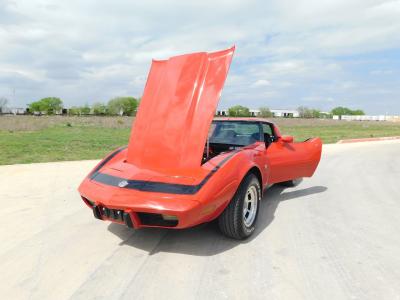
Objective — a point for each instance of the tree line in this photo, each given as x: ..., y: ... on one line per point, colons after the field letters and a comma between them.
x: 127, y: 106
x: 122, y: 106
x: 304, y: 112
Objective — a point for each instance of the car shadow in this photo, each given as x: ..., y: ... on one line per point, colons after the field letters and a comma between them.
x: 205, y: 239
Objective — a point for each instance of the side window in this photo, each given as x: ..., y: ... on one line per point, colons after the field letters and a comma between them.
x: 267, y: 128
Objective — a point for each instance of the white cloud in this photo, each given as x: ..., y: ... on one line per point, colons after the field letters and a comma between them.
x: 261, y: 82
x: 84, y: 51
x: 381, y: 72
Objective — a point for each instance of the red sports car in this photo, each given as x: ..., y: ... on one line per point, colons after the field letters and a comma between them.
x: 182, y: 168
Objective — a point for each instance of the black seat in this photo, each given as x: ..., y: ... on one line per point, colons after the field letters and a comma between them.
x: 226, y: 134
x: 255, y: 137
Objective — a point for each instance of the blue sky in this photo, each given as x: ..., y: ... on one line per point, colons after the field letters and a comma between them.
x: 312, y: 53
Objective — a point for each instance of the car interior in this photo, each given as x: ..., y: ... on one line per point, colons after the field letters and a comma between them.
x: 226, y: 136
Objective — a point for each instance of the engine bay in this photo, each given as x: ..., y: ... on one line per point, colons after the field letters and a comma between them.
x: 215, y: 149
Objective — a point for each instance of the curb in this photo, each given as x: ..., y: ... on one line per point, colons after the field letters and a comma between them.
x: 372, y: 139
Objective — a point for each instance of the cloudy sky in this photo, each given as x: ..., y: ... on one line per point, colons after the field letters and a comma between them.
x: 315, y: 53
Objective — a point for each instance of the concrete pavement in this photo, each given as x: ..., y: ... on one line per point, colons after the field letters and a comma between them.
x: 335, y: 236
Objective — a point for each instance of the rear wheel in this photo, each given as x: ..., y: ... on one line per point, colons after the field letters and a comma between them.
x: 291, y: 183
x: 239, y: 217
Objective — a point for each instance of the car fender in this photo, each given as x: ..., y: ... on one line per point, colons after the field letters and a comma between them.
x: 219, y: 191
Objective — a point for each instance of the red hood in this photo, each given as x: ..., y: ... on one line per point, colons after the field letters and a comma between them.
x: 176, y: 110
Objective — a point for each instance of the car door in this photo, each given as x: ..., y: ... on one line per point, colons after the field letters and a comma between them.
x: 288, y: 160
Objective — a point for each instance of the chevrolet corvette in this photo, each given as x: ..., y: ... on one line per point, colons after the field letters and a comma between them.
x: 183, y: 167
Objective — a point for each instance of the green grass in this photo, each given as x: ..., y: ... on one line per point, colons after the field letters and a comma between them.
x: 334, y: 133
x: 43, y: 139
x: 59, y: 143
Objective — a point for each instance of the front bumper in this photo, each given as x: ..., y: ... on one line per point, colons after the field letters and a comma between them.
x: 141, y: 209
x: 134, y: 219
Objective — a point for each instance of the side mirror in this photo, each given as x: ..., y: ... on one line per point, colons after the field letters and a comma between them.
x: 287, y: 139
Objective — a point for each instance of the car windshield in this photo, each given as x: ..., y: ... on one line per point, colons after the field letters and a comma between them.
x: 238, y: 133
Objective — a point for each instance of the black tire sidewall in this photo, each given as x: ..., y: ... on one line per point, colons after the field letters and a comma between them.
x: 251, y: 180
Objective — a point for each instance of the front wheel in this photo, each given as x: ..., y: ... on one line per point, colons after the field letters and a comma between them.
x: 239, y: 217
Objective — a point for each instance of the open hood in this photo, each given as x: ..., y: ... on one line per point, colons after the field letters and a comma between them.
x: 176, y: 110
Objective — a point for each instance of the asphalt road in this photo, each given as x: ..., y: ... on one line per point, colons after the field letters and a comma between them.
x: 335, y: 236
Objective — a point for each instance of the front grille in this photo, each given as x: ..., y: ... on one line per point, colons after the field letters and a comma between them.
x: 114, y: 214
x: 118, y: 215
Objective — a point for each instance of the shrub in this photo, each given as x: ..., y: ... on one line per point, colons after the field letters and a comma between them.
x: 265, y: 112
x: 239, y: 111
x: 49, y: 105
x: 122, y: 106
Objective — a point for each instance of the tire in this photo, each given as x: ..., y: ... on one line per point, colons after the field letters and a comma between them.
x: 236, y: 222
x: 291, y: 183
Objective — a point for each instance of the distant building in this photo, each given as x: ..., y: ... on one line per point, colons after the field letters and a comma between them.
x: 254, y: 112
x: 283, y: 113
x: 367, y: 118
x: 222, y: 112
x: 13, y: 111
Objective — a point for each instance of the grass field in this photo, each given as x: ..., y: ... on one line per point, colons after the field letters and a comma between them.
x: 28, y: 139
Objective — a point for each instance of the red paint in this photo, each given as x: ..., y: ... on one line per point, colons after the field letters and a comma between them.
x: 168, y: 140
x: 176, y: 110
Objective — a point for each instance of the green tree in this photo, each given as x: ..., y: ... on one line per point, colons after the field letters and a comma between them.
x: 122, y: 106
x: 265, y: 112
x: 99, y: 109
x: 49, y: 105
x: 36, y: 106
x: 358, y: 112
x: 308, y: 113
x: 74, y: 111
x: 324, y: 115
x: 85, y: 110
x: 340, y: 111
x: 238, y: 111
x: 315, y: 113
x: 305, y: 112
